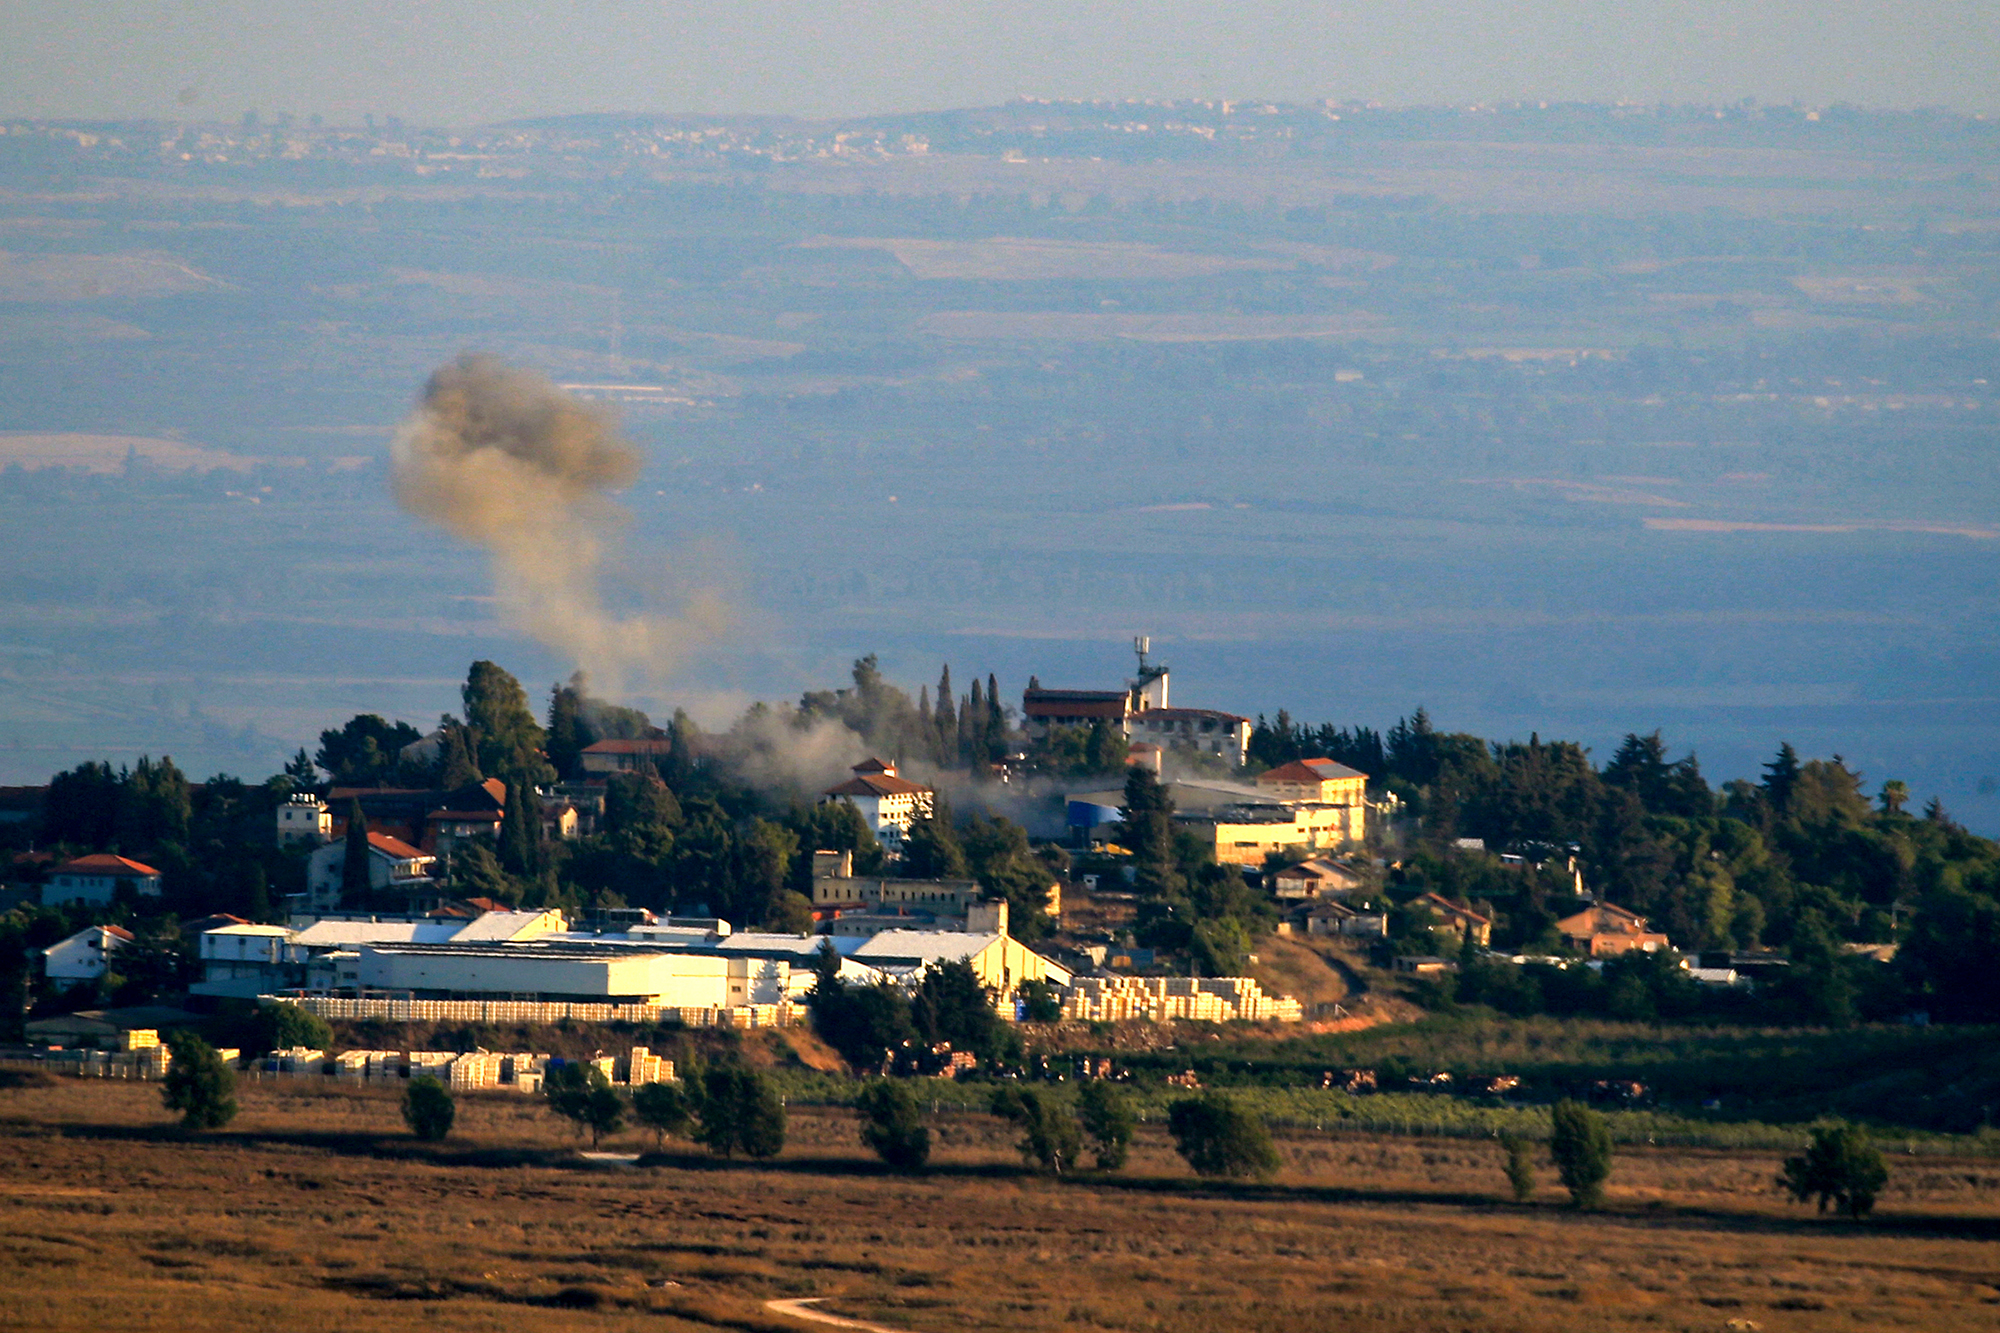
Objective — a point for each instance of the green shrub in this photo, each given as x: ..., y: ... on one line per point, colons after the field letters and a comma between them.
x: 1841, y: 1168
x: 1220, y: 1138
x: 1520, y: 1166
x: 582, y: 1095
x: 428, y: 1108
x: 281, y: 1026
x: 740, y: 1111
x: 1580, y: 1144
x: 1050, y: 1138
x: 1107, y: 1116
x: 664, y: 1108
x: 198, y: 1084
x: 892, y: 1125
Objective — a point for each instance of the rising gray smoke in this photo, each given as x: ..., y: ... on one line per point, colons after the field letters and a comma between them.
x: 504, y: 459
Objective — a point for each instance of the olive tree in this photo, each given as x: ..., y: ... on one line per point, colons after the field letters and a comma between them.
x: 1050, y: 1138
x: 199, y: 1083
x: 1220, y: 1138
x: 428, y: 1108
x: 892, y: 1124
x: 1107, y: 1118
x: 1580, y: 1144
x: 1840, y: 1168
x: 582, y: 1095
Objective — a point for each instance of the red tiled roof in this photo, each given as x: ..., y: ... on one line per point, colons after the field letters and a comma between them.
x: 873, y: 765
x: 118, y: 932
x: 641, y: 745
x: 1188, y: 715
x: 1309, y: 770
x: 1450, y: 908
x: 104, y: 863
x: 395, y: 847
x: 875, y: 785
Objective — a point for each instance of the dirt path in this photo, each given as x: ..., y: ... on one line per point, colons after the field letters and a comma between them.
x: 797, y: 1310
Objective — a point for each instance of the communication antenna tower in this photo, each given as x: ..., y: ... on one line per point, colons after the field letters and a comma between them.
x: 1142, y: 644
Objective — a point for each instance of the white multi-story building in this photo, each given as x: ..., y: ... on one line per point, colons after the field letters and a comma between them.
x: 890, y: 804
x: 304, y: 818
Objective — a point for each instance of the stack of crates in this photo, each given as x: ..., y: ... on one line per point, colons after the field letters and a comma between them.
x: 478, y: 1070
x: 435, y: 1063
x: 139, y: 1039
x: 351, y: 1066
x: 643, y: 1067
x: 1210, y: 999
x: 298, y: 1061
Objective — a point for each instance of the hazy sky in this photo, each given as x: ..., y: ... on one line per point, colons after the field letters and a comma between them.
x: 464, y: 61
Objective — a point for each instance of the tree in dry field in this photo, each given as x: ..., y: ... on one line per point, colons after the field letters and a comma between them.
x: 582, y: 1095
x: 893, y: 1125
x: 664, y: 1108
x: 1220, y: 1138
x: 740, y: 1111
x: 1520, y: 1166
x: 428, y: 1108
x: 1050, y: 1138
x: 1107, y: 1118
x: 1840, y: 1168
x: 1580, y: 1144
x: 198, y: 1084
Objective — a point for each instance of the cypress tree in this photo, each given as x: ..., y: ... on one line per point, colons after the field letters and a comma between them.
x: 996, y: 721
x: 354, y: 884
x: 944, y: 720
x: 520, y: 831
x: 972, y: 726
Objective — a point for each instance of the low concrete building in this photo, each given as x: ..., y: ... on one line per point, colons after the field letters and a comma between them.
x: 1319, y: 877
x: 242, y: 961
x: 95, y: 880
x: 1001, y: 962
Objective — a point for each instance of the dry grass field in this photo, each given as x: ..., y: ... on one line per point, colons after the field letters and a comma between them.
x: 314, y: 1210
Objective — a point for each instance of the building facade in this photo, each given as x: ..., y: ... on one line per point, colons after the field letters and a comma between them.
x: 888, y: 803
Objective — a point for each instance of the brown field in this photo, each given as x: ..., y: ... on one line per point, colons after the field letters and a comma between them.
x: 314, y: 1210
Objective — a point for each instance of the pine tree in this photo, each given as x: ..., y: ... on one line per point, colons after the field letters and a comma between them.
x: 1781, y: 777
x: 354, y: 881
x: 456, y: 767
x: 567, y: 731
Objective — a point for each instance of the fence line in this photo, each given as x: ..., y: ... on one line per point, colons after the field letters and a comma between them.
x: 531, y: 1011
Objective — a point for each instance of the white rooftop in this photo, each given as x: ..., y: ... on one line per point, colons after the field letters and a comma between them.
x: 920, y: 947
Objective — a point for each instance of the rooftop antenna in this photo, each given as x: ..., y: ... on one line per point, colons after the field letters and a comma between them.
x: 1142, y: 644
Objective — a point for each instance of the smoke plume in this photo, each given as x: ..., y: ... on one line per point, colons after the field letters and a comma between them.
x: 501, y: 457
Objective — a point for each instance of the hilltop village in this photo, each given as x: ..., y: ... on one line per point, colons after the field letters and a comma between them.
x: 1090, y: 857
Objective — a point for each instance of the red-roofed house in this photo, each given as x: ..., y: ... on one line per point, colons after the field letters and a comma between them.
x: 1448, y: 918
x: 602, y: 758
x: 889, y: 803
x: 1604, y: 930
x: 393, y: 867
x: 96, y: 880
x: 79, y: 960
